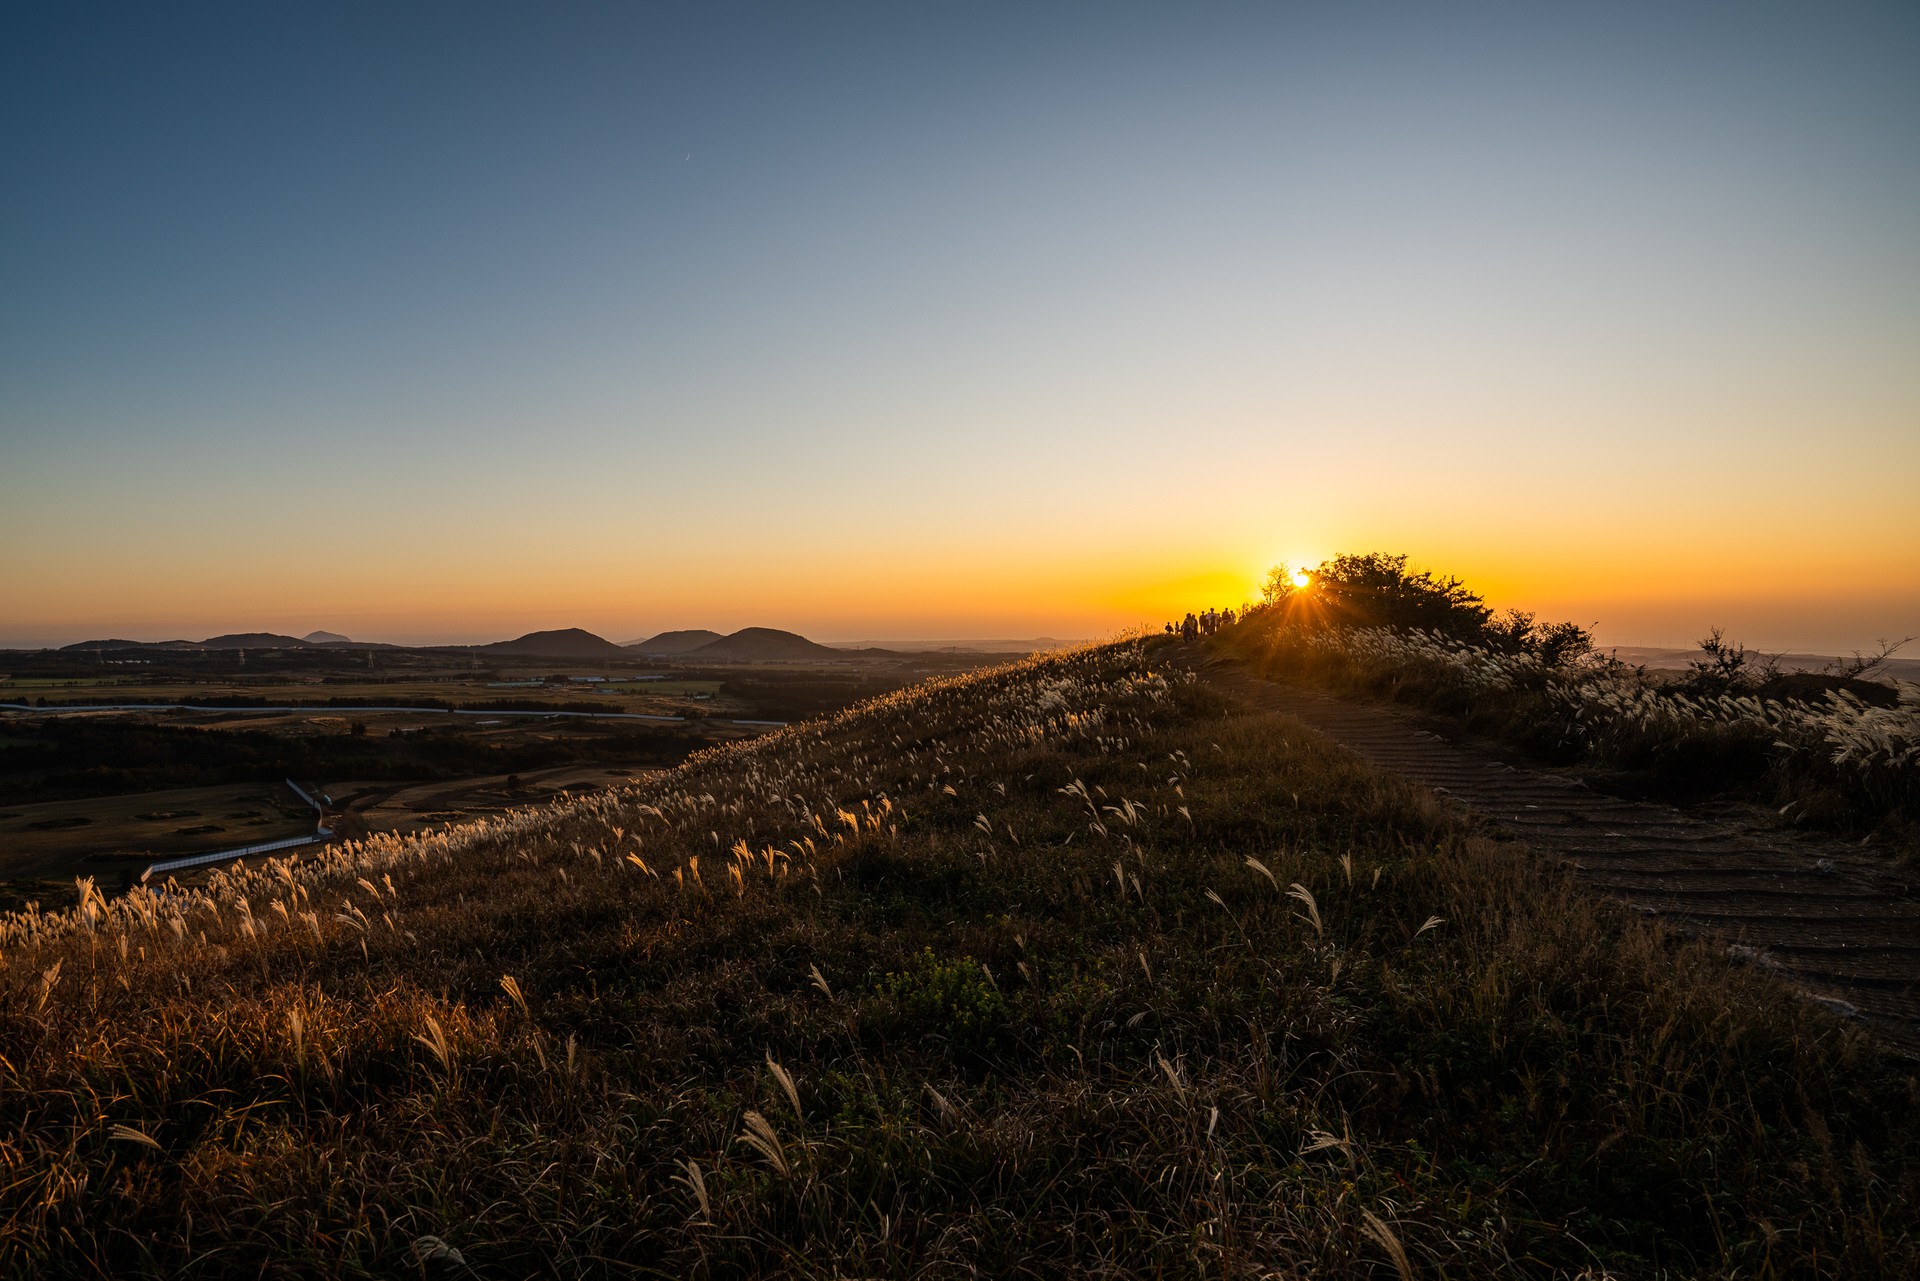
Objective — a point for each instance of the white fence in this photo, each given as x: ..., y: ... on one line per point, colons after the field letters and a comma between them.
x: 245, y: 851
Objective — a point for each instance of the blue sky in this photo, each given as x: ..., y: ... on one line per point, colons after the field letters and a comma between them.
x: 940, y: 321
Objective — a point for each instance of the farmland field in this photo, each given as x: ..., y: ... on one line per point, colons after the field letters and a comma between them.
x: 42, y: 846
x: 75, y: 783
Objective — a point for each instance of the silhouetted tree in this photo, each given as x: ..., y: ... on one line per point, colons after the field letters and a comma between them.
x: 1378, y: 590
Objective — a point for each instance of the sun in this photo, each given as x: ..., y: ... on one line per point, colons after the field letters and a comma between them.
x: 1301, y: 578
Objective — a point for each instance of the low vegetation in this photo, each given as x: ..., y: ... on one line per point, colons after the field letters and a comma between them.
x: 65, y: 758
x: 1062, y: 969
x: 1831, y: 750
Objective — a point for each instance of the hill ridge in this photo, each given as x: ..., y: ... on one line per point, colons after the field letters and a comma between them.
x: 671, y: 644
x: 561, y: 642
x: 765, y: 644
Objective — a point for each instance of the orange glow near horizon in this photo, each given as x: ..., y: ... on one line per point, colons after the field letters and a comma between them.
x: 866, y: 591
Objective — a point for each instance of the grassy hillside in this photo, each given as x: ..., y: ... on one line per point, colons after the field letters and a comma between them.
x: 1066, y: 968
x: 1827, y: 752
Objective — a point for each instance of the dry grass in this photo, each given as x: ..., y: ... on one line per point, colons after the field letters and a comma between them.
x: 1057, y: 970
x: 1835, y: 761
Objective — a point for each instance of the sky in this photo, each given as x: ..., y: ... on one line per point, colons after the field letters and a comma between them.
x: 449, y: 322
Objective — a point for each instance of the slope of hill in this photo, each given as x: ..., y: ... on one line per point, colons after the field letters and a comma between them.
x: 764, y: 644
x: 1026, y: 996
x: 568, y: 642
x: 253, y: 640
x: 130, y: 644
x: 325, y: 638
x: 80, y: 647
x: 669, y: 644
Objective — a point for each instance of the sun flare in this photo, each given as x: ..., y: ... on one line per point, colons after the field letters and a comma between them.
x: 1301, y: 578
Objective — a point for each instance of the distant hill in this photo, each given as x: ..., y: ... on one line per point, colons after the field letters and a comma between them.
x: 325, y: 638
x: 90, y: 646
x: 667, y: 644
x: 253, y: 640
x: 763, y: 644
x: 568, y: 642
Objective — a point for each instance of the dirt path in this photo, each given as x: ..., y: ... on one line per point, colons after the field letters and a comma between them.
x: 1843, y: 927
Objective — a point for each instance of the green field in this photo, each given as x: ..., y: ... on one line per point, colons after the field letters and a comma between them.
x: 679, y: 687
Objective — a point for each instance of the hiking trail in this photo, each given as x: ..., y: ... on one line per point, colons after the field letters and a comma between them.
x: 1838, y: 923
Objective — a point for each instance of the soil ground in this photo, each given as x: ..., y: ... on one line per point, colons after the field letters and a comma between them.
x: 1840, y: 923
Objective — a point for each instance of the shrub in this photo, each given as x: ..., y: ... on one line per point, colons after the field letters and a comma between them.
x: 1377, y: 589
x: 1839, y: 758
x: 953, y: 997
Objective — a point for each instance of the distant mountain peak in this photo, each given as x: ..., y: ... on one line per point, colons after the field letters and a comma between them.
x: 764, y: 644
x: 668, y: 644
x: 251, y: 640
x: 748, y: 645
x: 325, y: 638
x: 563, y: 642
x: 90, y: 645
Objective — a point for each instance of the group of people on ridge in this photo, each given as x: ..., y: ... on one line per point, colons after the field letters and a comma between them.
x: 1193, y: 627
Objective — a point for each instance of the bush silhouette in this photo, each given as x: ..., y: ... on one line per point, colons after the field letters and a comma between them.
x: 1377, y: 589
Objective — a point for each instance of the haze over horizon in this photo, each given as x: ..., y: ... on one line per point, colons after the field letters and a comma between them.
x: 454, y: 323
x: 430, y: 639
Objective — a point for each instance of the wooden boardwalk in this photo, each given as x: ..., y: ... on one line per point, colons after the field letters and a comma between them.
x: 1837, y: 922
